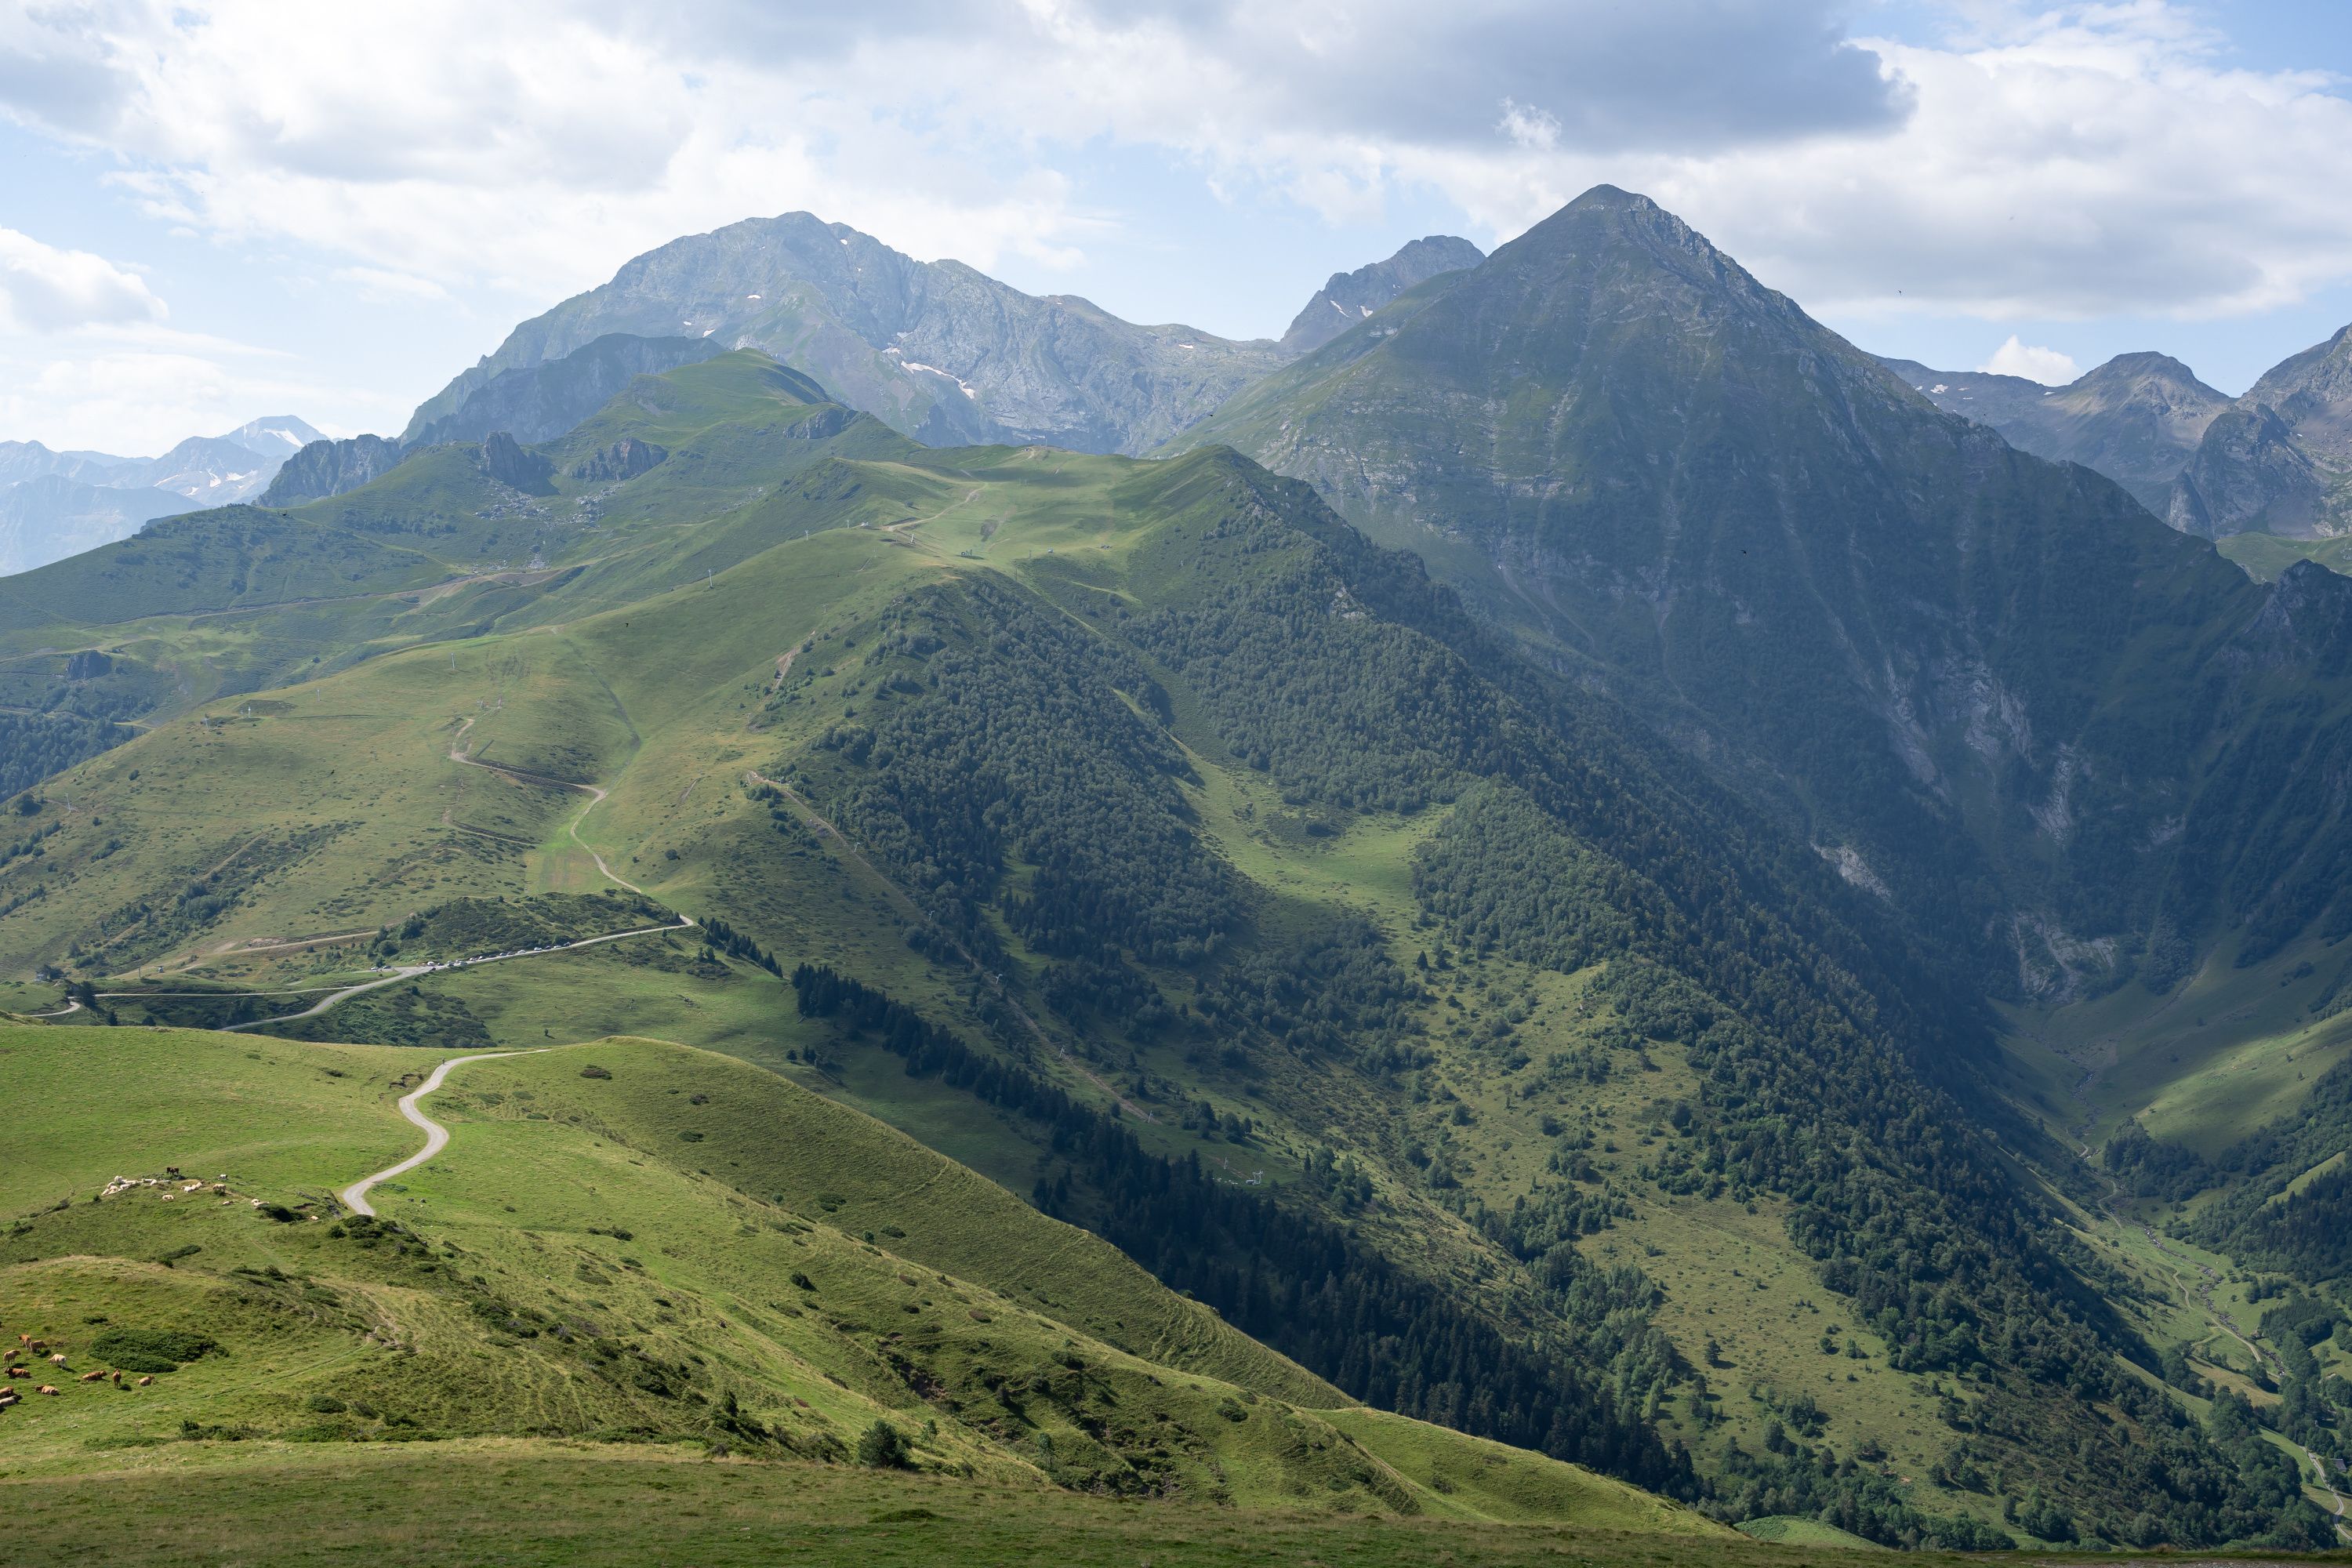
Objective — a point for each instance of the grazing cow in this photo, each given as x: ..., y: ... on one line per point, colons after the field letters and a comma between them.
x: 118, y: 1380
x: 59, y: 1359
x: 148, y: 1379
x: 44, y: 1388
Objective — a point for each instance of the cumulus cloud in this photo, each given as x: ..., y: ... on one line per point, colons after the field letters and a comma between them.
x: 44, y: 289
x: 2081, y: 160
x: 545, y: 142
x: 2047, y: 366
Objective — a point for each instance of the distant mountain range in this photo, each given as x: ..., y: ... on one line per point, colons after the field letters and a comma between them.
x: 56, y: 504
x: 935, y: 350
x: 2137, y: 418
x: 2276, y: 462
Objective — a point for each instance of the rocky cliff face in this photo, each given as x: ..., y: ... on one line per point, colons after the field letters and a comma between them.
x: 326, y: 468
x: 540, y: 402
x: 1937, y: 657
x: 2249, y: 476
x: 2281, y: 460
x: 1350, y: 297
x: 936, y: 350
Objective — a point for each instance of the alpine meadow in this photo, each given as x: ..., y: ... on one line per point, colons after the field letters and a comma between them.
x: 1557, y: 916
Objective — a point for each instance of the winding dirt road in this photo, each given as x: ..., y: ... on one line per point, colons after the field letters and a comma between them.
x: 437, y: 1137
x: 406, y: 972
x: 597, y: 796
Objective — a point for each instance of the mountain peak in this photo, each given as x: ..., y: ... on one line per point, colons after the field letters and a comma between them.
x: 1350, y: 297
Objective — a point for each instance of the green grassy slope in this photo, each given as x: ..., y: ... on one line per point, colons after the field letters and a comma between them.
x: 233, y: 558
x: 548, y: 1274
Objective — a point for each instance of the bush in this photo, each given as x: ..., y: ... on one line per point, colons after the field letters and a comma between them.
x: 593, y: 1072
x: 325, y: 1404
x: 149, y: 1350
x: 882, y: 1449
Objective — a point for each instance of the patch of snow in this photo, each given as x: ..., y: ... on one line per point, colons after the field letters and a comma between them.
x: 1939, y: 387
x: 935, y: 370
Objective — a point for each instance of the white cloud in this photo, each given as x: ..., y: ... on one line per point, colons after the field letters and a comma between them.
x: 2047, y: 366
x: 378, y: 287
x: 545, y: 142
x: 2085, y: 160
x: 44, y: 289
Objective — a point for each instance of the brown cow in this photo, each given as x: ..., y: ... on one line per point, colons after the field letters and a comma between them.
x: 145, y: 1381
x: 19, y: 1372
x: 44, y: 1388
x: 93, y: 1377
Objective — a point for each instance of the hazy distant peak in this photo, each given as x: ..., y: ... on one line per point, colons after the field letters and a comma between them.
x: 278, y: 436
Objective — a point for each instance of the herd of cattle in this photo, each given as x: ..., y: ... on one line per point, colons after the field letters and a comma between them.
x: 29, y: 1346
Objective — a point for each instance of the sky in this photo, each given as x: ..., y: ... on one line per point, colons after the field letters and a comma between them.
x: 217, y: 212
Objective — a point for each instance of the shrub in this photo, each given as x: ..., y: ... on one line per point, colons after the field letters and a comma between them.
x: 149, y: 1350
x: 593, y: 1072
x: 325, y: 1404
x: 882, y: 1449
